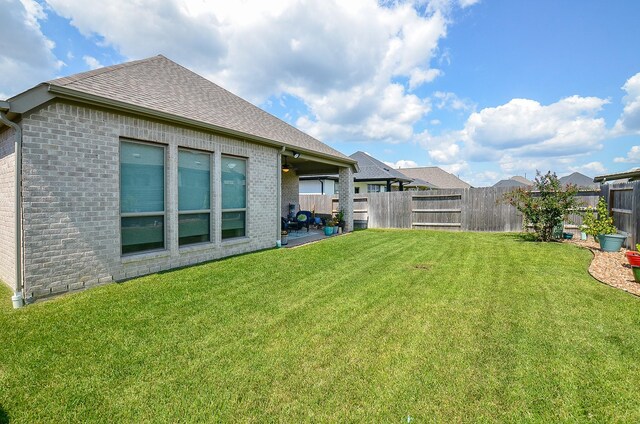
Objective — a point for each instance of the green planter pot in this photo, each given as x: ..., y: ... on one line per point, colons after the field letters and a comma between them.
x: 636, y: 273
x: 328, y: 231
x: 611, y: 242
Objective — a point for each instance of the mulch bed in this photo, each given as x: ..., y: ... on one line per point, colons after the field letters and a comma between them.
x: 611, y: 268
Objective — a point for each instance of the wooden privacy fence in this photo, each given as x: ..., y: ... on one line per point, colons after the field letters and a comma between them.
x: 473, y: 209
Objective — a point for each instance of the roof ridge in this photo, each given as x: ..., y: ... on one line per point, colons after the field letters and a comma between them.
x: 103, y: 70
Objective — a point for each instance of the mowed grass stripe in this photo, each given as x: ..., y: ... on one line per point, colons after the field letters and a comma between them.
x: 374, y: 326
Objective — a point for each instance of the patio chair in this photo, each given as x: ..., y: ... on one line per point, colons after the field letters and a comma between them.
x: 303, y: 219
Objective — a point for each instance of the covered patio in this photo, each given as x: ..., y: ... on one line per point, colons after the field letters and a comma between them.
x: 294, y: 164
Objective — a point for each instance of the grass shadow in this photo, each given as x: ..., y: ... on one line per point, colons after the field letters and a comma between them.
x: 4, y: 418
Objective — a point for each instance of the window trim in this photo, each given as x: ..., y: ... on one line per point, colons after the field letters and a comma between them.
x: 163, y: 213
x: 246, y: 199
x: 199, y: 211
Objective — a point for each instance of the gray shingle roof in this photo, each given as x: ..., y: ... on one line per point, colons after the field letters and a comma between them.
x: 435, y: 176
x: 522, y: 180
x: 159, y: 84
x: 372, y: 169
x: 578, y: 179
x: 511, y: 182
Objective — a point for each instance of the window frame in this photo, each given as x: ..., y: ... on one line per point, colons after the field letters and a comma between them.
x: 246, y: 198
x: 163, y: 213
x: 199, y: 211
x: 377, y: 186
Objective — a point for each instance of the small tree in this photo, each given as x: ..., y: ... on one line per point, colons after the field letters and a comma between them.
x: 602, y: 224
x: 544, y: 205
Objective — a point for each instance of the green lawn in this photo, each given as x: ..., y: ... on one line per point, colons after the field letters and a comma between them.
x: 375, y: 326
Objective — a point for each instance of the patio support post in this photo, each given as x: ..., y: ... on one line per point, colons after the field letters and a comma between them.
x: 345, y: 180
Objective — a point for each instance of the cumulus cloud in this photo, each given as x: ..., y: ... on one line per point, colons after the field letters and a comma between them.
x: 629, y: 121
x: 450, y: 101
x: 26, y: 56
x: 402, y: 164
x: 591, y: 168
x: 92, y: 62
x: 633, y: 156
x: 524, y: 126
x: 353, y: 64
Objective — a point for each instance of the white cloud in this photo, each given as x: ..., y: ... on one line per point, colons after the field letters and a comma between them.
x: 591, y: 168
x: 450, y: 101
x: 633, y: 156
x: 352, y: 63
x: 92, y: 62
x: 525, y: 127
x: 629, y: 121
x: 402, y: 164
x: 26, y: 56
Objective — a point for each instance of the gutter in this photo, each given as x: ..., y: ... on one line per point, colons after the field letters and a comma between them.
x: 17, y: 298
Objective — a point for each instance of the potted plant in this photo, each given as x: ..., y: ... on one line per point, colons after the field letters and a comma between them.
x: 634, y: 256
x: 328, y: 228
x: 335, y: 225
x: 634, y: 260
x: 583, y: 232
x: 340, y: 219
x: 601, y: 227
x: 284, y: 237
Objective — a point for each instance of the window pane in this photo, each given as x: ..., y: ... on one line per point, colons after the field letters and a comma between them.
x: 193, y: 228
x: 141, y: 178
x: 193, y: 180
x: 142, y: 233
x: 233, y: 224
x: 234, y: 181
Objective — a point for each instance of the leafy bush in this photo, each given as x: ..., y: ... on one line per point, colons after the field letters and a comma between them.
x: 602, y: 224
x: 545, y: 205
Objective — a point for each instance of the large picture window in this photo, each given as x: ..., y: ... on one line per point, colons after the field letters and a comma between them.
x: 234, y: 197
x: 194, y: 197
x: 141, y: 197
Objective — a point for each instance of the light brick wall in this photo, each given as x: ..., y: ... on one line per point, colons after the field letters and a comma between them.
x: 290, y: 192
x: 345, y: 197
x: 71, y: 197
x: 7, y: 207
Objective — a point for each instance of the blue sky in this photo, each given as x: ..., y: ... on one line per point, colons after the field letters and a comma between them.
x: 485, y: 89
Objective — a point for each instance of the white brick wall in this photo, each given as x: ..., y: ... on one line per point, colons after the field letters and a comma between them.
x: 7, y: 207
x: 345, y: 197
x: 71, y: 197
x: 290, y: 192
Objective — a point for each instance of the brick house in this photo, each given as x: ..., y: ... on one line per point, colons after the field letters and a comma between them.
x: 141, y: 167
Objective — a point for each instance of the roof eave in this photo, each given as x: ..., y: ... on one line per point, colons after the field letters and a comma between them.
x: 45, y: 92
x: 618, y: 176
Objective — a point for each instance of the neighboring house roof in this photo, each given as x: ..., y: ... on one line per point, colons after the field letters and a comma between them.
x: 160, y: 87
x: 371, y: 169
x: 437, y: 177
x: 630, y: 175
x: 522, y: 180
x: 510, y: 183
x: 418, y: 182
x: 577, y: 179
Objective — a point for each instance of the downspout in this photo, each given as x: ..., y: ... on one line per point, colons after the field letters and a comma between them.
x: 17, y: 298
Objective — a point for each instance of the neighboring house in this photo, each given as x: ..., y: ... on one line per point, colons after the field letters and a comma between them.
x: 321, y: 184
x: 141, y: 167
x: 373, y: 176
x: 513, y: 182
x: 619, y: 177
x: 577, y: 179
x: 436, y: 177
x: 418, y: 185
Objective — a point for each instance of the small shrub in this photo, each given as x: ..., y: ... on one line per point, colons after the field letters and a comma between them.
x: 547, y: 208
x: 600, y: 224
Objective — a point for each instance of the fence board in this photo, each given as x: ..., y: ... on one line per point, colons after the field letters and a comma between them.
x: 474, y: 209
